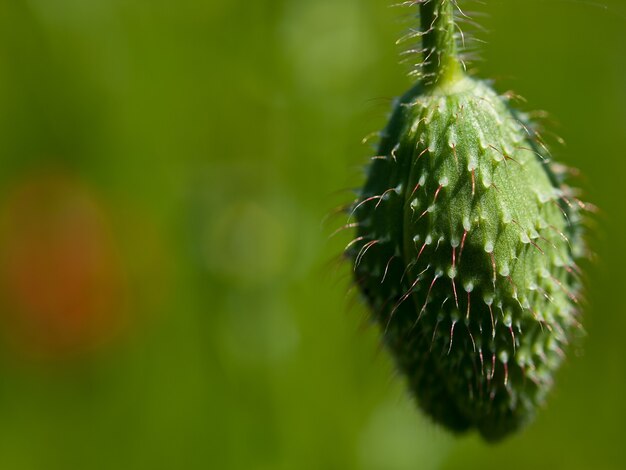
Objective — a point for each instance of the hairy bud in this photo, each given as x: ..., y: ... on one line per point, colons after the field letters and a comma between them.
x: 466, y: 246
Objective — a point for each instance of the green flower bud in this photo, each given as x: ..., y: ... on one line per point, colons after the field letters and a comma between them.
x: 466, y: 246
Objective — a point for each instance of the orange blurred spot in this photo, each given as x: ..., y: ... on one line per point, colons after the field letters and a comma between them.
x: 61, y: 278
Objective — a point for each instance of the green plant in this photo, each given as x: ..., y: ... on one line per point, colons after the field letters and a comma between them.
x: 466, y: 245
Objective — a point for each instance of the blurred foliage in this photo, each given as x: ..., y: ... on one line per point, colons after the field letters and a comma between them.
x: 169, y: 296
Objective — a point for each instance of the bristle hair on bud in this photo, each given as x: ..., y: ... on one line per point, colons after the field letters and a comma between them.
x: 467, y: 242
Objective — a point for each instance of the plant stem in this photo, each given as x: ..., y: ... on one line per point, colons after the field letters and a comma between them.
x: 441, y: 62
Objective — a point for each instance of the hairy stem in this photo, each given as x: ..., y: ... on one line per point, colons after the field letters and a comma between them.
x: 441, y: 62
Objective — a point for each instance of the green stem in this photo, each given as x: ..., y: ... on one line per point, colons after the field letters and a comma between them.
x: 441, y: 61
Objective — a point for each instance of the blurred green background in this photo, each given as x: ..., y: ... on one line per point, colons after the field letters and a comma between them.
x: 169, y: 296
